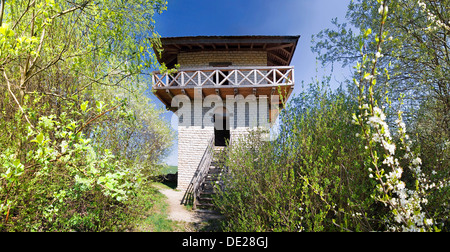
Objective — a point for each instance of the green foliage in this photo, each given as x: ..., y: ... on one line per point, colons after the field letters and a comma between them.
x: 337, y: 164
x: 81, y: 135
x: 311, y: 178
x: 415, y: 56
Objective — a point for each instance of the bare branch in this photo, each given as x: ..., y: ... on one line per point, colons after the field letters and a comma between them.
x: 15, y: 98
x: 2, y: 9
x: 81, y: 6
x: 23, y: 13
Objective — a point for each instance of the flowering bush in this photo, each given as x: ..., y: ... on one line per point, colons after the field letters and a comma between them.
x: 343, y: 161
x: 405, y: 202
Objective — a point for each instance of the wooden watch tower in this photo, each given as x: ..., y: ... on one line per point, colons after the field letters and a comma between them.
x: 224, y: 86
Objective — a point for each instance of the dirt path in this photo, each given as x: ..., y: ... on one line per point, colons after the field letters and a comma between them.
x: 178, y: 212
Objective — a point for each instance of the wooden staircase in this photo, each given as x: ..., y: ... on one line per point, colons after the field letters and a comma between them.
x: 204, y: 199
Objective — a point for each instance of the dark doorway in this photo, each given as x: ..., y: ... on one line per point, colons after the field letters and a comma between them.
x: 221, y: 130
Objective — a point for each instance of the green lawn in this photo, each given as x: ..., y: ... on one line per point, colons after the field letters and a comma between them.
x: 170, y: 169
x: 153, y: 212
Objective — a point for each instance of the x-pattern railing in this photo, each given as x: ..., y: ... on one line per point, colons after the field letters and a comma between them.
x: 242, y: 76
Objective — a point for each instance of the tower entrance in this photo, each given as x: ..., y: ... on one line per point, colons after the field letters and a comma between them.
x: 221, y: 128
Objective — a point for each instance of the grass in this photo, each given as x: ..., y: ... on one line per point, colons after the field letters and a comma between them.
x: 169, y: 169
x: 151, y: 210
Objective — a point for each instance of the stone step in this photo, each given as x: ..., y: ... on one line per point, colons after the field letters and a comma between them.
x: 212, y: 177
x: 210, y: 211
x: 207, y: 187
x: 205, y: 206
x: 217, y: 163
x: 215, y: 171
x: 205, y: 198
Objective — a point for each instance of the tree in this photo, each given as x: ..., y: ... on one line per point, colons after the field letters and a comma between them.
x: 417, y: 60
x: 70, y: 72
x: 417, y: 57
x: 402, y: 59
x: 331, y: 169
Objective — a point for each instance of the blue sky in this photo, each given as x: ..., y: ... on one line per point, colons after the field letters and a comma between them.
x: 255, y: 17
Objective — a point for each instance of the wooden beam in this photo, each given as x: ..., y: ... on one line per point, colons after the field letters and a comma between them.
x: 230, y: 39
x: 273, y: 91
x: 171, y: 58
x: 285, y: 61
x: 169, y: 93
x: 289, y: 92
x: 279, y: 47
x: 291, y: 54
x: 185, y: 93
x: 286, y: 51
x: 171, y: 51
x: 217, y: 91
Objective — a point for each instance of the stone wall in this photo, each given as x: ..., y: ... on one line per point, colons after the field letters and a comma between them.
x: 193, y: 138
x: 192, y: 143
x: 237, y: 58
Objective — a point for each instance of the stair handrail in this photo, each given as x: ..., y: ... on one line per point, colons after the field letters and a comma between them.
x: 201, y: 172
x: 203, y: 168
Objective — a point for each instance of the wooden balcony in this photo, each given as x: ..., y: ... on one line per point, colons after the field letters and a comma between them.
x: 223, y: 81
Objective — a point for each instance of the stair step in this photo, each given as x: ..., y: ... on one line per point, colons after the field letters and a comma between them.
x: 215, y: 167
x: 205, y: 205
x: 207, y: 191
x: 214, y: 173
x: 210, y: 182
x: 210, y: 211
x: 212, y: 178
x: 205, y: 199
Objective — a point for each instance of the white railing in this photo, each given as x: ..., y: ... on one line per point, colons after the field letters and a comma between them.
x: 225, y: 76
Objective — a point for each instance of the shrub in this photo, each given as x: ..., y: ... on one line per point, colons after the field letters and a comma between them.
x: 311, y: 178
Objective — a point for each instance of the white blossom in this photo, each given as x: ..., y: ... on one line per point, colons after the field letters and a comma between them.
x: 389, y: 147
x: 417, y: 161
x: 380, y: 9
x: 389, y: 160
